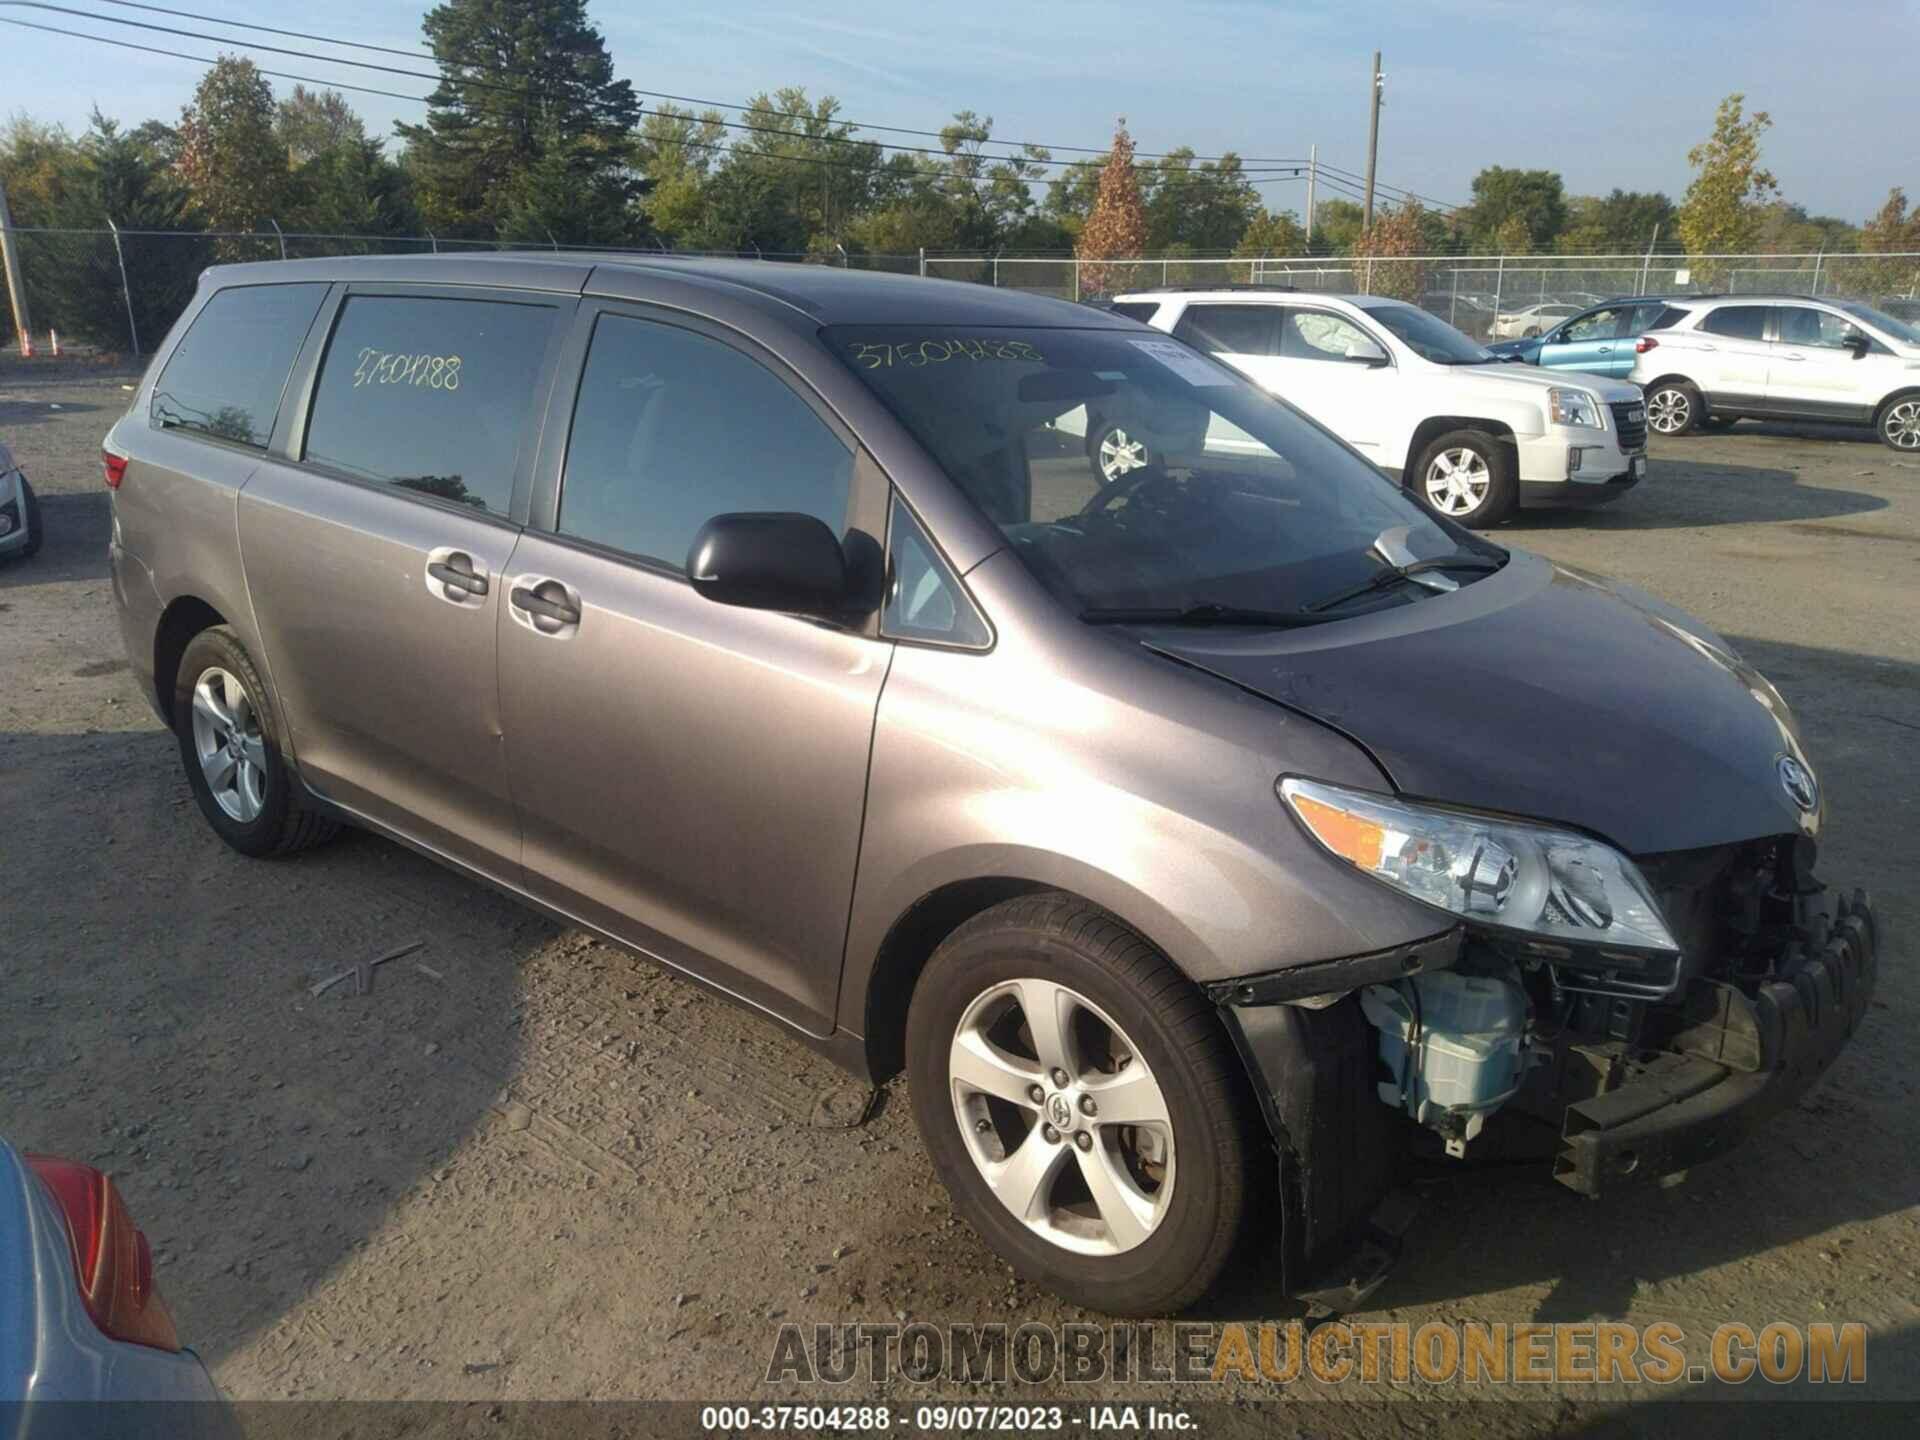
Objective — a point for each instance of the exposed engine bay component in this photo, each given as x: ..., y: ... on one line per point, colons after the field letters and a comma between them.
x: 1455, y: 1044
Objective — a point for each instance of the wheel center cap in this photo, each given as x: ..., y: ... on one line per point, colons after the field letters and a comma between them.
x: 1060, y: 1112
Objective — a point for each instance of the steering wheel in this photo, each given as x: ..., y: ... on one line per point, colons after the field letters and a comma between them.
x: 1126, y: 488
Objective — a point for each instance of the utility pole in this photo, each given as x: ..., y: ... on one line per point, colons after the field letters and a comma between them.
x: 16, y: 283
x: 1313, y: 175
x: 1373, y: 135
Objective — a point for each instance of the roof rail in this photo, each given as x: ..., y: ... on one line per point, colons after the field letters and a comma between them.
x: 1194, y: 289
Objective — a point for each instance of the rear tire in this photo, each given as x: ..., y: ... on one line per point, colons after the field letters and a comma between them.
x: 1899, y: 423
x: 1674, y: 407
x: 231, y: 748
x: 36, y: 529
x: 1467, y: 475
x: 1141, y: 1042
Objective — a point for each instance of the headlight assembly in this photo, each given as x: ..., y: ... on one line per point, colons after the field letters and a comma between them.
x: 1505, y: 874
x: 1573, y: 407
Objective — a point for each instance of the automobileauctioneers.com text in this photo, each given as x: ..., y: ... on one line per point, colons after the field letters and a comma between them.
x: 1334, y: 1352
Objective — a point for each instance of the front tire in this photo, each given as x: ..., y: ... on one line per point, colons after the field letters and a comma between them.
x: 1079, y: 1100
x: 1899, y: 423
x: 232, y: 751
x: 1674, y: 407
x: 1467, y: 475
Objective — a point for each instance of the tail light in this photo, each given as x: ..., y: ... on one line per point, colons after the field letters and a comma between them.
x: 113, y: 468
x: 1640, y: 347
x: 111, y: 1258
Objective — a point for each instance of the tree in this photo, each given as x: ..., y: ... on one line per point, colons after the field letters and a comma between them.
x: 1336, y: 226
x: 1202, y: 207
x: 1071, y: 194
x: 1623, y: 222
x: 1117, y: 228
x: 675, y: 151
x: 352, y: 188
x: 230, y: 159
x: 312, y: 122
x: 1535, y: 198
x: 1396, y: 234
x: 1892, y: 230
x: 519, y: 79
x: 1273, y: 233
x: 1721, y: 214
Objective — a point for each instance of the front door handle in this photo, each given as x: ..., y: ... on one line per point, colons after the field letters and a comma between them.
x: 546, y: 600
x: 1605, y: 349
x: 1793, y: 355
x: 456, y: 579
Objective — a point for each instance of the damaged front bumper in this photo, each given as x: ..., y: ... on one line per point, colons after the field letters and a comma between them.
x: 1736, y: 1061
x: 1630, y: 1100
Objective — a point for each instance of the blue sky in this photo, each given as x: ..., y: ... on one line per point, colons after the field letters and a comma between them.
x: 1607, y: 93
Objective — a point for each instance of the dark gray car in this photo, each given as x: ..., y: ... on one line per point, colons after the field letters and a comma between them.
x: 1201, y: 845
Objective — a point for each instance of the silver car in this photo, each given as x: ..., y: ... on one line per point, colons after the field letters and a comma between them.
x: 1200, y: 844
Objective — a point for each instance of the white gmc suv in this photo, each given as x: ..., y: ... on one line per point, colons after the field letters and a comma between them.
x: 1472, y: 435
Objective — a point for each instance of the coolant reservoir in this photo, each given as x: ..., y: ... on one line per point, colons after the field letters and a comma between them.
x: 1455, y: 1045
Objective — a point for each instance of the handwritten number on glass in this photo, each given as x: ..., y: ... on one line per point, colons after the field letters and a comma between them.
x: 391, y: 367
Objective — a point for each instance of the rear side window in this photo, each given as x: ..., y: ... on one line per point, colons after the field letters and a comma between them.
x: 430, y: 395
x: 1141, y: 310
x: 1738, y: 322
x: 227, y: 374
x: 1231, y: 329
x: 1660, y: 317
x: 673, y: 428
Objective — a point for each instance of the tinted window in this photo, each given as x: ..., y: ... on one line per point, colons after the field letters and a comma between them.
x: 430, y: 395
x: 1657, y: 317
x: 1229, y: 329
x: 1317, y: 335
x: 226, y: 376
x: 1738, y: 322
x: 1141, y: 310
x: 924, y: 601
x: 672, y: 429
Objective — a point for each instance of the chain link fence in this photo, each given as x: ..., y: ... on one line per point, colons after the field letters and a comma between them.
x: 1489, y: 297
x: 120, y: 291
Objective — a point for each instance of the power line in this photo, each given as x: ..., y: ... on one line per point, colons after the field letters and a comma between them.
x: 416, y: 54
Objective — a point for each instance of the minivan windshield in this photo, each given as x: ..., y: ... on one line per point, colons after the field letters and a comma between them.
x: 1138, y: 478
x: 1427, y: 335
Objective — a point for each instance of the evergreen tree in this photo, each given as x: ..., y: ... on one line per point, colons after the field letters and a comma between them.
x: 521, y: 79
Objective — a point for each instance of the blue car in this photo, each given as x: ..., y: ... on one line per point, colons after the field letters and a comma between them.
x: 1597, y: 340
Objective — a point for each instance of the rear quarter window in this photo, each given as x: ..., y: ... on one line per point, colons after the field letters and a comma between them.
x: 226, y: 377
x: 1141, y: 310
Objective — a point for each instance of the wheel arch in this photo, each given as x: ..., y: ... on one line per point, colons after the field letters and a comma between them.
x: 1907, y: 392
x: 1670, y: 378
x: 1434, y: 426
x: 185, y: 617
x: 917, y: 932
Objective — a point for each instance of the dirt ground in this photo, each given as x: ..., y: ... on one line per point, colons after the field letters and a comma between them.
x: 530, y: 1165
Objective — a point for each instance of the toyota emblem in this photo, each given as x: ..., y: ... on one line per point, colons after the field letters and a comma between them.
x: 1060, y: 1112
x: 1797, y: 780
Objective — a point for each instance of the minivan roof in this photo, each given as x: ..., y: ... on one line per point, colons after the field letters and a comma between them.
x: 827, y: 293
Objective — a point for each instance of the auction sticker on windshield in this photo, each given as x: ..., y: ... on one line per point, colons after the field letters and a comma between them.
x: 1183, y: 362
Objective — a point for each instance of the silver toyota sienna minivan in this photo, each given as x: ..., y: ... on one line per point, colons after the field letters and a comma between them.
x: 1206, y: 845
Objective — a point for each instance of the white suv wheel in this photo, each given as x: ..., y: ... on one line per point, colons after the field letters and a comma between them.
x: 1456, y: 482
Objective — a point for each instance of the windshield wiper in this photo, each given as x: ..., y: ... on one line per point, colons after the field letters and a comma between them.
x: 1207, y: 612
x: 1391, y: 549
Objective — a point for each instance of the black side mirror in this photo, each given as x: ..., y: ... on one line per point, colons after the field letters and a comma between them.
x: 770, y: 560
x: 1856, y: 342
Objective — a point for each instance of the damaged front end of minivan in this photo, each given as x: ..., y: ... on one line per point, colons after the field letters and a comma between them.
x: 1618, y: 1065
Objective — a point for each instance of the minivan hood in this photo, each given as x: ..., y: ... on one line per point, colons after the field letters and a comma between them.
x: 1540, y: 691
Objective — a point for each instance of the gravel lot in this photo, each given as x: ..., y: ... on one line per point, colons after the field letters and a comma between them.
x: 547, y: 1169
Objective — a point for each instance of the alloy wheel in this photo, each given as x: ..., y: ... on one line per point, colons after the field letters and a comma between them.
x: 1120, y: 454
x: 1668, y: 411
x: 1456, y: 481
x: 228, y: 744
x: 1902, y: 425
x: 1062, y: 1117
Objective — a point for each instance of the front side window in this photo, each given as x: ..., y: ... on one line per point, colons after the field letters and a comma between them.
x: 1899, y: 329
x: 226, y: 376
x: 1321, y: 335
x: 1229, y: 329
x: 1229, y: 497
x: 433, y: 396
x: 672, y: 428
x: 1598, y: 325
x: 1738, y: 322
x: 1820, y: 329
